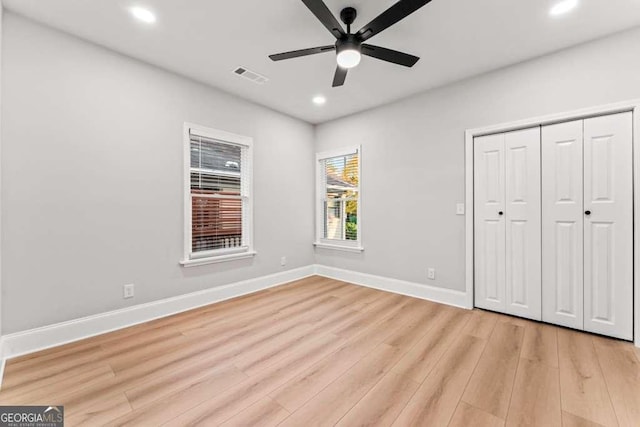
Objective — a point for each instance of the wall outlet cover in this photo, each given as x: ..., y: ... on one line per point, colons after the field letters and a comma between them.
x: 431, y: 274
x: 128, y: 291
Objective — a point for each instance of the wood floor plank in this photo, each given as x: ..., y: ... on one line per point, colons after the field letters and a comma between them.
x: 535, y: 400
x: 164, y: 409
x: 382, y: 404
x: 387, y: 306
x: 39, y: 392
x: 339, y: 397
x: 492, y: 382
x: 159, y: 387
x: 18, y: 375
x: 235, y: 399
x: 101, y: 412
x: 540, y: 344
x: 621, y: 371
x: 264, y: 413
x: 466, y: 416
x: 418, y: 362
x: 294, y: 393
x: 387, y: 326
x: 570, y: 420
x: 435, y: 402
x: 481, y: 324
x: 584, y: 391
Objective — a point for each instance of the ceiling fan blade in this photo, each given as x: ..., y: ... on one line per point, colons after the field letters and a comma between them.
x: 302, y: 52
x: 389, y: 55
x: 324, y: 15
x: 340, y: 76
x: 395, y: 13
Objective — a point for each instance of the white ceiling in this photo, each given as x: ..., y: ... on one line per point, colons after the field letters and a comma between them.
x: 207, y: 39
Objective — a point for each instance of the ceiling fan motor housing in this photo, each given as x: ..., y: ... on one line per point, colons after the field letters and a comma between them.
x: 350, y: 42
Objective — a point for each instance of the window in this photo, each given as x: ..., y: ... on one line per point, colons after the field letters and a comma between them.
x: 338, y: 201
x: 217, y: 196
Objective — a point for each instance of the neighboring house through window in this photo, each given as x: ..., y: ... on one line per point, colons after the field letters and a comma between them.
x: 338, y: 200
x: 218, y: 202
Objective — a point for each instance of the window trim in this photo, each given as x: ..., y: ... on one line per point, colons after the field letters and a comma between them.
x: 189, y: 258
x: 320, y: 242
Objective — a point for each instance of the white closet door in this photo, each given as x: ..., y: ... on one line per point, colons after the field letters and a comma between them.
x: 489, y: 171
x: 562, y: 224
x: 523, y: 236
x: 608, y: 225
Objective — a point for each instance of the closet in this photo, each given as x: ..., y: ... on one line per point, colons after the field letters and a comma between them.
x: 553, y: 224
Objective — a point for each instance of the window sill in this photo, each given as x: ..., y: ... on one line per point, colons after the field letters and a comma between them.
x: 216, y: 259
x: 356, y: 249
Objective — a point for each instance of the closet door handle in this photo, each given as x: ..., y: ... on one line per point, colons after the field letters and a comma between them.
x: 587, y: 213
x: 500, y: 213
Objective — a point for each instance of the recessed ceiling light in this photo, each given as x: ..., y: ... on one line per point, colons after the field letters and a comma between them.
x: 319, y: 100
x: 563, y: 7
x: 142, y: 14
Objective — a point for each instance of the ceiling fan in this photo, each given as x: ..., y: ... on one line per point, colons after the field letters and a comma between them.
x: 350, y: 47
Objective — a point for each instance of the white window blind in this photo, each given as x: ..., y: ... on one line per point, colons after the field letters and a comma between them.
x: 219, y: 185
x: 339, y: 198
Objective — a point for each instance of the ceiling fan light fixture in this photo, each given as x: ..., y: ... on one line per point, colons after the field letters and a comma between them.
x: 349, y: 58
x: 348, y: 50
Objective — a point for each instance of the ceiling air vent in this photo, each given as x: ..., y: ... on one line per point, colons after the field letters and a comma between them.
x: 251, y: 75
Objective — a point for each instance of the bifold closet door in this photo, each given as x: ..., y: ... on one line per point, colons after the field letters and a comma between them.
x: 507, y: 223
x: 523, y: 238
x: 608, y: 225
x: 587, y: 225
x: 489, y: 222
x: 562, y: 224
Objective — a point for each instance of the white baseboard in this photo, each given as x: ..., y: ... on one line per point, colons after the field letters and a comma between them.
x: 416, y: 290
x: 33, y: 340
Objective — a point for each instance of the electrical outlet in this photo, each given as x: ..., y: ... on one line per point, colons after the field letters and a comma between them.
x: 431, y: 274
x: 128, y: 291
x: 283, y: 261
x: 460, y: 209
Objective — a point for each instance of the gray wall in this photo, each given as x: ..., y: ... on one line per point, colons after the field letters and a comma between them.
x: 413, y: 152
x: 1, y: 296
x: 92, y: 170
x: 92, y: 191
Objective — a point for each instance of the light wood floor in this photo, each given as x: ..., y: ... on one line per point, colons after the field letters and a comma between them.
x: 323, y: 352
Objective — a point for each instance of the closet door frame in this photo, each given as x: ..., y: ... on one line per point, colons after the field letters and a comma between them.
x: 621, y: 107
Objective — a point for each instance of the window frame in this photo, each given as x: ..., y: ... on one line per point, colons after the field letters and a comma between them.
x: 320, y: 241
x: 191, y: 258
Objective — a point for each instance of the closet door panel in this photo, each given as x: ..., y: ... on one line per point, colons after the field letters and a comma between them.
x: 523, y: 234
x: 562, y: 224
x: 608, y: 246
x: 489, y: 242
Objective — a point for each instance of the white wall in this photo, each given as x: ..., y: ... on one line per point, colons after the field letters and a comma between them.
x: 92, y: 187
x: 413, y: 152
